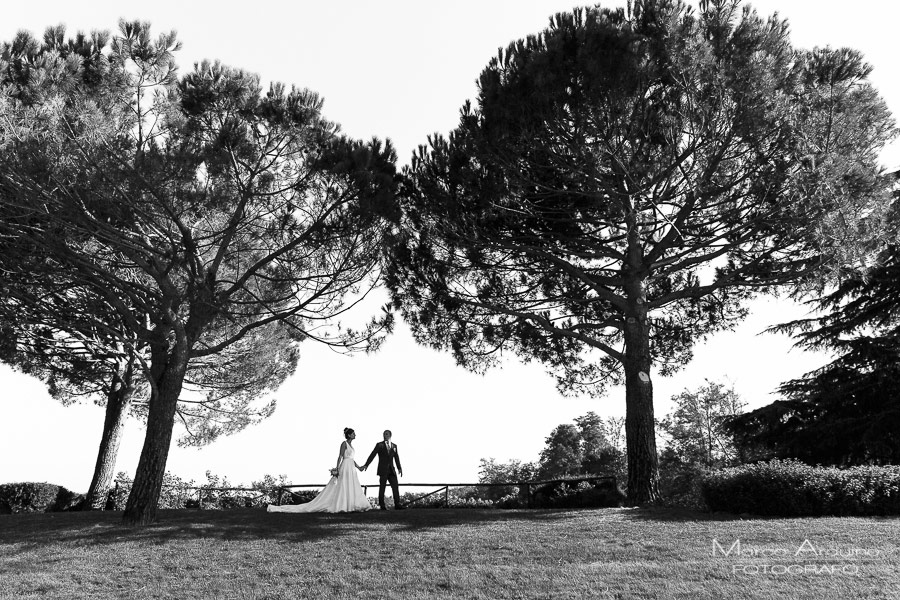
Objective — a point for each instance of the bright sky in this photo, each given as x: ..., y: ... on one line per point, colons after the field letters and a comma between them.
x: 398, y: 69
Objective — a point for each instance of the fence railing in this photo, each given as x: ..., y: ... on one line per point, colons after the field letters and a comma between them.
x: 526, y: 488
x: 200, y: 490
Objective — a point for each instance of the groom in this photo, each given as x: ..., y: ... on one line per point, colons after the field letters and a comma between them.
x: 387, y: 455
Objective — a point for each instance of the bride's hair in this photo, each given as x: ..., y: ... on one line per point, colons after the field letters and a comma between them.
x: 347, y: 432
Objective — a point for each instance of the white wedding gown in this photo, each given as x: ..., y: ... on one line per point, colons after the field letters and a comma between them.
x: 342, y: 494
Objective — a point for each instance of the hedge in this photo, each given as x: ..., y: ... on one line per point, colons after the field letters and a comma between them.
x: 28, y: 496
x: 791, y: 488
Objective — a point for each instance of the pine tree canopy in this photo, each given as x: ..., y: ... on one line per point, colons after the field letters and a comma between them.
x: 624, y: 182
x: 211, y: 215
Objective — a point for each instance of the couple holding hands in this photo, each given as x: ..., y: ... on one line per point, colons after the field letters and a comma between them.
x: 343, y: 493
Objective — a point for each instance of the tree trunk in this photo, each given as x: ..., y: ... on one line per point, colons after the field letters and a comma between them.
x: 117, y: 402
x: 640, y: 427
x: 168, y: 369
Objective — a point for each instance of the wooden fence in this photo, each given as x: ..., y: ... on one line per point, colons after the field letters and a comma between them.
x: 526, y: 488
x: 200, y: 490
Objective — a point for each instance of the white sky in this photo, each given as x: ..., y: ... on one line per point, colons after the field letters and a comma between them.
x: 398, y: 69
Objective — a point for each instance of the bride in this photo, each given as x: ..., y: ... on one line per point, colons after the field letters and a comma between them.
x: 343, y: 493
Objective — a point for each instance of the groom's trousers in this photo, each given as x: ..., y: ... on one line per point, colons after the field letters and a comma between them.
x: 395, y: 489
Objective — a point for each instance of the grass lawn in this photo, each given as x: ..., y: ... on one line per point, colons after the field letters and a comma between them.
x: 463, y: 553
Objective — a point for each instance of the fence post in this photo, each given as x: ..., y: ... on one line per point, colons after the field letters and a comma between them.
x: 447, y: 496
x: 527, y: 495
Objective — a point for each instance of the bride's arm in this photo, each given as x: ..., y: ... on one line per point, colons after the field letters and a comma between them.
x: 340, y: 455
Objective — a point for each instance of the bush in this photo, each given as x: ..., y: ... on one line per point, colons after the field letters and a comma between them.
x: 268, y: 489
x: 175, y: 493
x: 29, y: 497
x: 511, y: 501
x: 563, y: 494
x: 300, y: 497
x: 462, y: 497
x: 488, y: 496
x: 178, y: 493
x: 578, y: 494
x: 458, y: 502
x: 791, y: 488
x: 679, y: 482
x: 491, y: 471
x: 457, y: 498
x: 212, y: 496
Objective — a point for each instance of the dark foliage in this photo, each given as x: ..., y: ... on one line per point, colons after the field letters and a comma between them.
x: 624, y: 182
x: 490, y: 471
x: 794, y: 489
x: 584, y: 494
x: 37, y: 497
x: 696, y: 441
x: 298, y: 497
x: 216, y: 494
x: 847, y: 412
x: 579, y: 449
x: 205, y: 211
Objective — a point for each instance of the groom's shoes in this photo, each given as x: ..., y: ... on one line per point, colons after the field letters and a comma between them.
x: 401, y: 508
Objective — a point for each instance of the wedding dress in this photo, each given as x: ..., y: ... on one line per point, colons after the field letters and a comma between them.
x: 343, y: 493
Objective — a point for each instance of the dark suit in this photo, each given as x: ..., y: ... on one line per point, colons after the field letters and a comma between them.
x: 387, y: 456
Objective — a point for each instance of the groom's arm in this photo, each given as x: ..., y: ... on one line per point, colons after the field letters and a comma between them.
x: 371, y: 457
x: 397, y: 460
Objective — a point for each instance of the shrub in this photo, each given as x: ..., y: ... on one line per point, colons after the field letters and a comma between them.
x: 578, y: 494
x: 481, y: 495
x: 28, y: 497
x: 491, y: 471
x: 268, y: 489
x: 299, y: 497
x: 168, y: 497
x: 175, y: 493
x: 679, y: 481
x: 465, y: 497
x: 561, y: 494
x: 510, y: 501
x: 791, y: 488
x: 178, y: 493
x: 457, y: 498
x: 218, y: 493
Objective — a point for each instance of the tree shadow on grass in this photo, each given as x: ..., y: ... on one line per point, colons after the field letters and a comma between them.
x: 105, y: 527
x: 686, y: 515
x: 47, y: 531
x: 663, y: 514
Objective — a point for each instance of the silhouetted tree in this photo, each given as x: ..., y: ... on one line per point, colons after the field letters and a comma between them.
x: 625, y: 182
x: 562, y: 454
x: 50, y: 326
x: 695, y: 429
x: 579, y: 449
x: 200, y: 208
